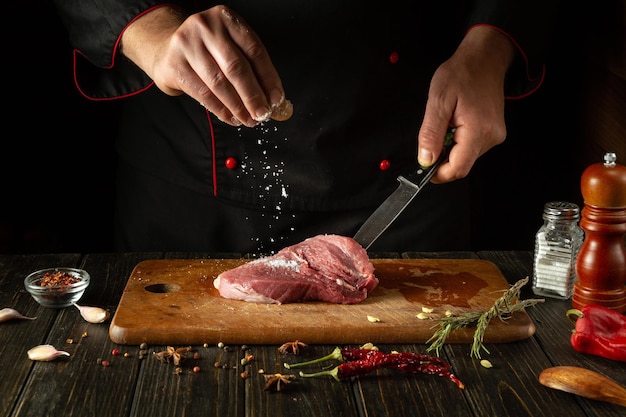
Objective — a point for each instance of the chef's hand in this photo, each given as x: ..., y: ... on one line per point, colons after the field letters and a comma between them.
x: 213, y: 56
x: 467, y: 92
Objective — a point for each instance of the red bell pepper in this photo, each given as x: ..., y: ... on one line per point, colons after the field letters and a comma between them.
x: 599, y: 331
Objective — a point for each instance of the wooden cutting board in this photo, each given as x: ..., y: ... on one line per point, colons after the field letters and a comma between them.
x: 173, y: 302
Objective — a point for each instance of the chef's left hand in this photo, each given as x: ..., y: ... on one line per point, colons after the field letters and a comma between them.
x: 467, y: 92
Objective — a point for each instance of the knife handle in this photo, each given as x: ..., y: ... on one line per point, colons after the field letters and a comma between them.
x: 423, y: 175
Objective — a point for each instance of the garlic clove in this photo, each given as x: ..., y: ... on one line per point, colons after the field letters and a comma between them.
x: 93, y: 314
x: 45, y: 353
x: 10, y: 314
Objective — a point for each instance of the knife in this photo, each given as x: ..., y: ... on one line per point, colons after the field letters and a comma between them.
x: 391, y: 208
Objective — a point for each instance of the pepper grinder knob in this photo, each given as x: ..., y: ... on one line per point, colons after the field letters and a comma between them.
x: 601, y: 260
x: 610, y: 159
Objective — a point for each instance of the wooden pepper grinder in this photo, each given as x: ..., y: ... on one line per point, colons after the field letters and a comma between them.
x: 601, y: 260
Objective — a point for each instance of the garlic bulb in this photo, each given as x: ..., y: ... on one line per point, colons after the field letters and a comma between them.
x: 45, y: 353
x: 10, y: 314
x: 93, y: 314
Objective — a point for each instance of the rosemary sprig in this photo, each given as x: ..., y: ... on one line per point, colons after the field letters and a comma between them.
x: 502, y: 308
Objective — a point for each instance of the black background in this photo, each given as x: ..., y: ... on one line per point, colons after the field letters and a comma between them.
x: 57, y: 173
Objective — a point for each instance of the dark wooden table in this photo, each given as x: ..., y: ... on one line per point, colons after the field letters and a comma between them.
x: 130, y: 386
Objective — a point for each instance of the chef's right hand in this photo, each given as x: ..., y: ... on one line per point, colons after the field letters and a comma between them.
x: 467, y: 93
x: 213, y: 56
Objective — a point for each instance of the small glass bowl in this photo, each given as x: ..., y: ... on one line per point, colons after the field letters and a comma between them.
x: 54, y: 287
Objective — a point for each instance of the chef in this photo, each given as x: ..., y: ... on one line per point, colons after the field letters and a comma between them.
x: 207, y: 162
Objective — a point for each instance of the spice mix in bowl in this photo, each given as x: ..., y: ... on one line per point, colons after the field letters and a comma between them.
x: 57, y: 287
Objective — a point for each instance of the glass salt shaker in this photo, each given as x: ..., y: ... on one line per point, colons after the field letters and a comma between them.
x: 556, y: 245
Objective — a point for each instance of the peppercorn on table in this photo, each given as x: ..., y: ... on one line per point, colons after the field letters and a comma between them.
x: 102, y: 378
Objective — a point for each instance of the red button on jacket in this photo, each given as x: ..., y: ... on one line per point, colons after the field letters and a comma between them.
x: 231, y: 163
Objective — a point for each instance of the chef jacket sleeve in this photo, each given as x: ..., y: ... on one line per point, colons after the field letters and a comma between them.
x: 94, y: 28
x: 101, y: 72
x: 527, y: 23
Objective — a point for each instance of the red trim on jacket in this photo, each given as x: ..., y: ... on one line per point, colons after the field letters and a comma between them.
x: 208, y: 117
x: 87, y: 96
x: 524, y: 56
x: 75, y: 52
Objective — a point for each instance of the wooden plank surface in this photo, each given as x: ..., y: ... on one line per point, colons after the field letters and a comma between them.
x: 79, y: 386
x: 173, y: 301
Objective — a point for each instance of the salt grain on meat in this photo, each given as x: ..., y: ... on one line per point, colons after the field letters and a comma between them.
x: 330, y: 268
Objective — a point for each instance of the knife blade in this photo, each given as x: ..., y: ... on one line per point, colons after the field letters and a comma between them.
x: 397, y: 201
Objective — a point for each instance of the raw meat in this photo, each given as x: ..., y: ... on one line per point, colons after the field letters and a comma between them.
x: 330, y: 268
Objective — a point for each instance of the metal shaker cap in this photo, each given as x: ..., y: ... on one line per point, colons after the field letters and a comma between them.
x: 561, y: 210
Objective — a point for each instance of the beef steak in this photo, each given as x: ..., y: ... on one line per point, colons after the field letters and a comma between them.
x: 330, y: 268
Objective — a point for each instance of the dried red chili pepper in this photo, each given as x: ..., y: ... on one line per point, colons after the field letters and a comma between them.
x: 599, y: 331
x: 431, y: 369
x: 346, y: 354
x: 355, y: 354
x: 362, y: 361
x: 411, y: 358
x: 349, y: 369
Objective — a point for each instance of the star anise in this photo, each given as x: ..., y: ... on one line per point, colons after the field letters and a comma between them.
x: 276, y: 382
x: 292, y: 347
x: 173, y: 355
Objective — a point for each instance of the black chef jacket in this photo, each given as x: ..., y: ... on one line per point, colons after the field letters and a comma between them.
x: 358, y: 78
